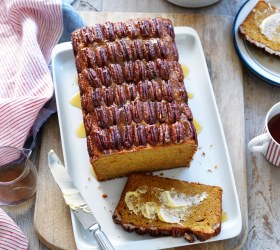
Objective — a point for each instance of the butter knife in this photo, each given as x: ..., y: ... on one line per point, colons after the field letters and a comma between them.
x: 76, y: 202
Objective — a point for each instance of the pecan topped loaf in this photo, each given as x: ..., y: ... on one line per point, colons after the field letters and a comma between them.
x: 134, y: 102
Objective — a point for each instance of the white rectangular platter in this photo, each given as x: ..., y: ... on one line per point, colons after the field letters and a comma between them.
x: 211, y: 164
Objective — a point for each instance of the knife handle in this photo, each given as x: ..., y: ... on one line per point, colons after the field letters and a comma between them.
x: 101, y: 237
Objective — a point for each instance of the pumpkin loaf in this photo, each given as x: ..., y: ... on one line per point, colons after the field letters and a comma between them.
x: 261, y: 28
x: 167, y: 207
x: 134, y: 102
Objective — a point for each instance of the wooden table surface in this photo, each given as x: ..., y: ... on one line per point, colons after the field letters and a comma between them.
x: 263, y: 179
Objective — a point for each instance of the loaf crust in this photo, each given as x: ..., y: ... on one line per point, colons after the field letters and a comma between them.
x: 133, y: 98
x: 210, y: 211
x: 250, y: 30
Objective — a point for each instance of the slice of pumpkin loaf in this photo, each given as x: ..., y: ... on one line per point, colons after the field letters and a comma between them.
x: 167, y: 207
x: 261, y: 28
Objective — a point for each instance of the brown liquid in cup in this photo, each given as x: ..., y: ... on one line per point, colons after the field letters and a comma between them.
x: 19, y: 191
x: 274, y: 127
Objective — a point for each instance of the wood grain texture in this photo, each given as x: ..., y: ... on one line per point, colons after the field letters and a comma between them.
x: 224, y: 7
x: 226, y: 73
x: 263, y: 178
x: 52, y: 221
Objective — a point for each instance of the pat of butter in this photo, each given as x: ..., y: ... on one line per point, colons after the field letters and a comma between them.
x: 167, y: 216
x: 197, y: 126
x: 80, y: 131
x: 270, y: 27
x: 150, y: 209
x: 76, y: 100
x: 185, y: 69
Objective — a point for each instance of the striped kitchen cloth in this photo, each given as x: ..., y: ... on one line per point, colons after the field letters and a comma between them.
x: 29, y: 29
x: 11, y: 237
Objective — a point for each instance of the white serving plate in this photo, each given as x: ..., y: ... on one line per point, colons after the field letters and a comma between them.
x: 211, y: 142
x: 264, y: 66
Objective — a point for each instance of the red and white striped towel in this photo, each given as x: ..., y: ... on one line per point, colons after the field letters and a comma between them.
x: 11, y: 237
x: 29, y: 29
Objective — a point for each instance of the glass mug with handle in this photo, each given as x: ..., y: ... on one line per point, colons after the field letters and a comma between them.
x: 18, y: 175
x: 268, y: 143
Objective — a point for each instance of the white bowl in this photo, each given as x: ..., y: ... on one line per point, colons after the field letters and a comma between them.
x: 193, y: 3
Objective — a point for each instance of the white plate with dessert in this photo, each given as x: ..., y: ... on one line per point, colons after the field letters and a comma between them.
x: 211, y: 164
x: 265, y: 66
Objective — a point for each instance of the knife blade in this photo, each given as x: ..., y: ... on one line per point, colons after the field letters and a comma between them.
x: 76, y: 202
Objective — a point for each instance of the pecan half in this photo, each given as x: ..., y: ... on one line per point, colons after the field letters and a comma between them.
x: 113, y: 52
x: 164, y: 134
x: 119, y: 95
x: 162, y: 49
x: 152, y: 90
x: 87, y: 35
x: 168, y: 25
x: 101, y: 139
x: 75, y: 43
x: 102, y: 117
x: 113, y: 115
x: 125, y: 50
x: 149, y: 50
x: 98, y: 31
x: 89, y: 57
x: 185, y: 109
x: 157, y: 25
x: 152, y: 132
x: 115, y: 138
x: 108, y: 96
x: 173, y: 112
x: 127, y: 136
x: 164, y: 69
x: 178, y: 133
x: 157, y: 90
x: 137, y: 110
x: 144, y: 26
x: 86, y: 102
x: 119, y: 29
x: 178, y: 69
x: 96, y: 97
x: 182, y: 94
x: 109, y: 31
x: 139, y: 135
x: 143, y: 90
x: 166, y: 91
x: 149, y: 112
x: 91, y: 77
x: 137, y: 49
x: 131, y: 91
x: 101, y: 55
x: 128, y: 70
x: 126, y: 114
x: 152, y: 70
x: 104, y: 76
x: 116, y: 73
x: 140, y: 70
x: 162, y: 114
x: 132, y: 30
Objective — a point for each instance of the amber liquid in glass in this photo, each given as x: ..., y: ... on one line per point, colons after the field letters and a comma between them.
x: 14, y: 191
x: 274, y: 127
